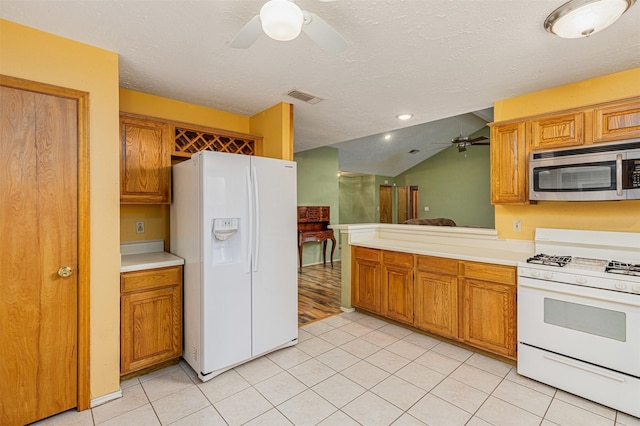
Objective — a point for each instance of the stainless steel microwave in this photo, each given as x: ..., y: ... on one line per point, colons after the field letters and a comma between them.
x: 591, y: 173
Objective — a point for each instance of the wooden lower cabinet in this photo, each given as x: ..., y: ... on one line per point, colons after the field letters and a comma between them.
x: 151, y: 318
x: 488, y: 311
x: 472, y: 302
x: 436, y: 291
x: 397, y: 286
x: 365, y: 279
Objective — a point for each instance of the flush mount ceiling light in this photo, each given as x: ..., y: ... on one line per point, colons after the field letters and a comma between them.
x: 404, y: 116
x: 581, y: 18
x: 281, y: 19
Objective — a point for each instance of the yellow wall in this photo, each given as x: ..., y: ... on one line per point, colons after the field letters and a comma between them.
x: 169, y: 109
x: 275, y: 125
x: 605, y: 216
x: 34, y: 55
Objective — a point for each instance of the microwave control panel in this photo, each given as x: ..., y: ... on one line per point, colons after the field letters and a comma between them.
x: 632, y: 174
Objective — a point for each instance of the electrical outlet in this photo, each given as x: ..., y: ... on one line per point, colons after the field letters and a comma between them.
x: 426, y: 208
x: 517, y: 226
x: 139, y: 227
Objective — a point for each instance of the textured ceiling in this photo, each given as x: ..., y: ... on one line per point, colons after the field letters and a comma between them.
x: 433, y: 58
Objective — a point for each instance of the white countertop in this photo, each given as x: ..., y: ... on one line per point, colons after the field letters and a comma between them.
x: 141, y: 255
x: 473, y: 244
x: 476, y: 254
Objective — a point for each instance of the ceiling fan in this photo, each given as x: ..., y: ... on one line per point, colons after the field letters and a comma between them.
x: 462, y: 142
x: 283, y: 20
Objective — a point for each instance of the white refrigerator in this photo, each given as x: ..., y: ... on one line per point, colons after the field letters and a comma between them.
x: 233, y: 220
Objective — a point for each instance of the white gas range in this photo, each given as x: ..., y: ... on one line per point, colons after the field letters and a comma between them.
x: 579, y: 315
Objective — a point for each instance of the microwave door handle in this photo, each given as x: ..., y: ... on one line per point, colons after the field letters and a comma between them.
x: 619, y: 174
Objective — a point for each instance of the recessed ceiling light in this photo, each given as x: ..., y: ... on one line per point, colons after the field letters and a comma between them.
x: 404, y: 116
x: 581, y: 18
x: 387, y: 137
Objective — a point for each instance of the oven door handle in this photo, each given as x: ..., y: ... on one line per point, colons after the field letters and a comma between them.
x: 571, y: 290
x: 619, y: 174
x: 610, y: 376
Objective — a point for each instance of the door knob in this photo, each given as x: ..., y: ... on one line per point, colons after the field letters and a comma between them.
x: 64, y: 271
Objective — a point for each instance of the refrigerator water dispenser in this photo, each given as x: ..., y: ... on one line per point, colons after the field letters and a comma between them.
x: 225, y: 248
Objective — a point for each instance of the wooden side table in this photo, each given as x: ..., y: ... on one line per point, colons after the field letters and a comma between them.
x: 313, y: 225
x: 320, y: 237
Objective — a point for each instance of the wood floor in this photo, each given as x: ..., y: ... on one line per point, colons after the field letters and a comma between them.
x: 318, y: 292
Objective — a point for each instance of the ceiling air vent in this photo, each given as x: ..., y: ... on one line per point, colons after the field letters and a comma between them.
x: 306, y: 97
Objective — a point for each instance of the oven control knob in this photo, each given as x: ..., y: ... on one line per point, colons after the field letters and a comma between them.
x: 535, y: 274
x: 622, y: 286
x: 547, y: 275
x: 581, y: 280
x: 636, y: 288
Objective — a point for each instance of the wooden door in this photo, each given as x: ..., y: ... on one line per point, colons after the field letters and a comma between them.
x: 386, y: 204
x: 38, y: 225
x: 403, y: 203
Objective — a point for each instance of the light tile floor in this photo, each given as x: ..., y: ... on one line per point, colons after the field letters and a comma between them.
x: 350, y: 369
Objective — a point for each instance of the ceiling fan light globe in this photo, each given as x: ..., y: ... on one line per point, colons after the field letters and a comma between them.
x: 281, y: 19
x: 581, y: 18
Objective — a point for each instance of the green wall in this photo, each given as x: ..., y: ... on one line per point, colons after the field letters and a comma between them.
x: 359, y: 198
x: 454, y: 185
x: 318, y: 186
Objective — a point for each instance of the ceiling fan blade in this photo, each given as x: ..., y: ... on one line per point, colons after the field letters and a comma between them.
x: 480, y: 143
x: 478, y: 139
x: 248, y: 34
x: 323, y: 34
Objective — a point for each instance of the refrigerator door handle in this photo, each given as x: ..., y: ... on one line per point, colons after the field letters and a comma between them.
x: 256, y: 211
x: 247, y: 259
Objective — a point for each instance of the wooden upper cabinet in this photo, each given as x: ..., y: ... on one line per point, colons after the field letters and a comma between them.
x: 617, y: 122
x: 509, y: 164
x: 397, y: 286
x: 558, y: 132
x: 145, y: 161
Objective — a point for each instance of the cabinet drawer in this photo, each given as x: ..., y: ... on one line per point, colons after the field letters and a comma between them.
x: 493, y: 273
x: 396, y: 258
x: 438, y: 265
x: 151, y: 278
x: 363, y: 253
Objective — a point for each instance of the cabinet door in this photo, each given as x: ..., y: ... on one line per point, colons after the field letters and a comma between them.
x: 617, y: 122
x: 397, y: 286
x: 436, y: 308
x: 151, y: 328
x: 489, y: 316
x: 145, y: 161
x: 508, y: 164
x: 558, y: 132
x: 365, y: 279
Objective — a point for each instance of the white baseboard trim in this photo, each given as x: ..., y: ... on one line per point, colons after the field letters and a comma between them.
x: 347, y: 310
x: 105, y: 398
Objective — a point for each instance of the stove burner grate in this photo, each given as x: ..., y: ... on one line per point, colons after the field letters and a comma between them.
x: 622, y: 268
x: 551, y: 260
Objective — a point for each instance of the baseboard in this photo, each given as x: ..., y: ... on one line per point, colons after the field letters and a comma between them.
x: 347, y: 310
x: 106, y: 398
